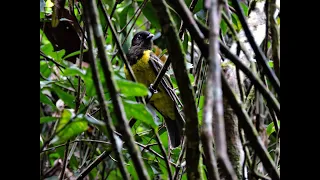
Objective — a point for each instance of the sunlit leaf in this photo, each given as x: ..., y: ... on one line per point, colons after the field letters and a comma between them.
x: 73, y: 71
x: 271, y: 128
x: 138, y: 111
x: 130, y: 88
x: 67, y: 129
x: 74, y: 53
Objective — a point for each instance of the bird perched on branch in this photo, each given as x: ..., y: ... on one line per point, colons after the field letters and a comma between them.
x: 146, y: 66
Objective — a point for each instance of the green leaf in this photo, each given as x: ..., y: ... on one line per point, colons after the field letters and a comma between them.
x: 73, y: 71
x: 41, y: 15
x: 66, y: 115
x: 67, y: 129
x: 130, y: 88
x: 74, y: 54
x: 45, y: 99
x: 90, y: 89
x: 138, y: 111
x: 66, y: 97
x: 132, y: 170
x: 223, y: 26
x: 245, y: 8
x: 271, y: 128
x: 150, y: 13
x: 57, y: 55
x: 271, y: 64
x: 47, y: 119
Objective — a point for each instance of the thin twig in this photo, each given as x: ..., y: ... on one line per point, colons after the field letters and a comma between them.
x: 142, y: 6
x: 64, y: 161
x: 164, y: 154
x: 261, y: 58
x: 181, y: 156
x: 94, y: 164
x: 138, y: 10
x: 254, y: 79
x: 52, y: 60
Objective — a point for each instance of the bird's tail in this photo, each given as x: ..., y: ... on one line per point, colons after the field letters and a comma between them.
x: 175, y: 129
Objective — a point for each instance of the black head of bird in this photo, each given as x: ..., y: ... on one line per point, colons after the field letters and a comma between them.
x: 143, y: 39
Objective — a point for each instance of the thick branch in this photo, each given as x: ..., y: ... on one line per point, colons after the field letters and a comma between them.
x: 113, y: 90
x: 179, y: 67
x: 214, y: 99
x: 99, y: 89
x: 250, y: 131
x: 275, y: 38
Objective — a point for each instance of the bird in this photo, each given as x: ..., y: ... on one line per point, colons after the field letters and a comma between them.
x: 146, y: 66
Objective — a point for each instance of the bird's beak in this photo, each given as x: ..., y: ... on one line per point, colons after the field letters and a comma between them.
x: 150, y: 36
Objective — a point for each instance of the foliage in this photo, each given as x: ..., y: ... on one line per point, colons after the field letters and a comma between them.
x: 69, y: 109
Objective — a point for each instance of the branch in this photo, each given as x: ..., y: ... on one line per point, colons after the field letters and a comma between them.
x: 179, y: 67
x: 113, y: 90
x: 254, y: 79
x: 250, y: 131
x: 64, y: 161
x: 275, y: 38
x: 214, y: 99
x: 95, y: 163
x: 181, y: 155
x: 91, y: 21
x: 164, y: 154
x: 182, y: 27
x: 261, y: 58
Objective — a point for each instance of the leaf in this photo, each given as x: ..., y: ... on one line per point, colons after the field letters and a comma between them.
x: 271, y: 64
x: 90, y: 89
x: 150, y: 13
x: 67, y: 129
x: 41, y: 15
x: 47, y: 119
x: 49, y: 4
x: 74, y: 54
x: 73, y: 71
x: 271, y: 128
x: 57, y: 55
x: 66, y: 97
x: 223, y: 26
x: 44, y: 99
x: 244, y: 8
x: 130, y: 88
x: 138, y: 111
x: 132, y: 170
